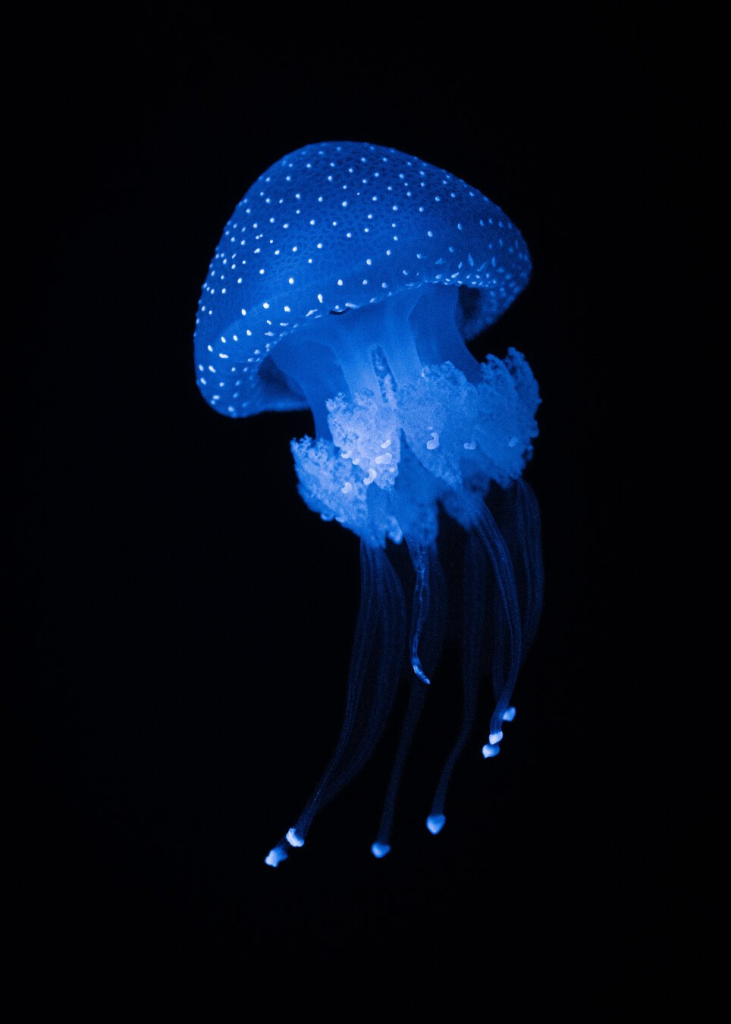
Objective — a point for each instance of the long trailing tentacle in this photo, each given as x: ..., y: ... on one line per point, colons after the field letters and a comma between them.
x: 515, y: 552
x: 473, y: 620
x: 427, y: 573
x: 420, y: 605
x: 417, y: 697
x: 528, y: 559
x: 377, y: 657
x: 507, y: 639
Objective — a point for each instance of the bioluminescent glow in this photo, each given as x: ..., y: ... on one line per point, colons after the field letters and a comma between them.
x: 347, y: 281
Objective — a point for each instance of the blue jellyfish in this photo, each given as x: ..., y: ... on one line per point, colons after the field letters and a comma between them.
x: 347, y: 282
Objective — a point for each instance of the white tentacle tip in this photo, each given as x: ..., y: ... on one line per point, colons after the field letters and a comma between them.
x: 275, y: 856
x: 294, y: 838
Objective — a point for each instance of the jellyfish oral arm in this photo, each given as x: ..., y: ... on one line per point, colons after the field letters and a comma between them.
x: 396, y: 433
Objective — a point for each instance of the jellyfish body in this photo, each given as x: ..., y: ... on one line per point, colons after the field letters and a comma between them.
x: 347, y: 281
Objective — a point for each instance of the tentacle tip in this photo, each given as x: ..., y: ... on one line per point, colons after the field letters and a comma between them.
x: 490, y: 750
x: 275, y: 856
x: 380, y: 850
x: 435, y: 823
x: 419, y: 671
x: 495, y: 737
x: 294, y: 838
x: 509, y: 714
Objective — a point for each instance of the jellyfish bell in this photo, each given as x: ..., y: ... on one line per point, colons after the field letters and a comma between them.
x: 348, y: 281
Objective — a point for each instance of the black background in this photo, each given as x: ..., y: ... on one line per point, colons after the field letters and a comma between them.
x: 185, y: 622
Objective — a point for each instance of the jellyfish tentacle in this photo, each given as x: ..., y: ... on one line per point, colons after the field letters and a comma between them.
x: 417, y: 697
x: 383, y: 673
x: 420, y: 605
x: 366, y: 623
x: 507, y: 647
x: 426, y: 567
x: 472, y: 655
x: 530, y: 560
x: 381, y: 620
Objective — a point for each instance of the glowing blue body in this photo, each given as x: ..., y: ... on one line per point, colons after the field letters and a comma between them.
x: 347, y: 281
